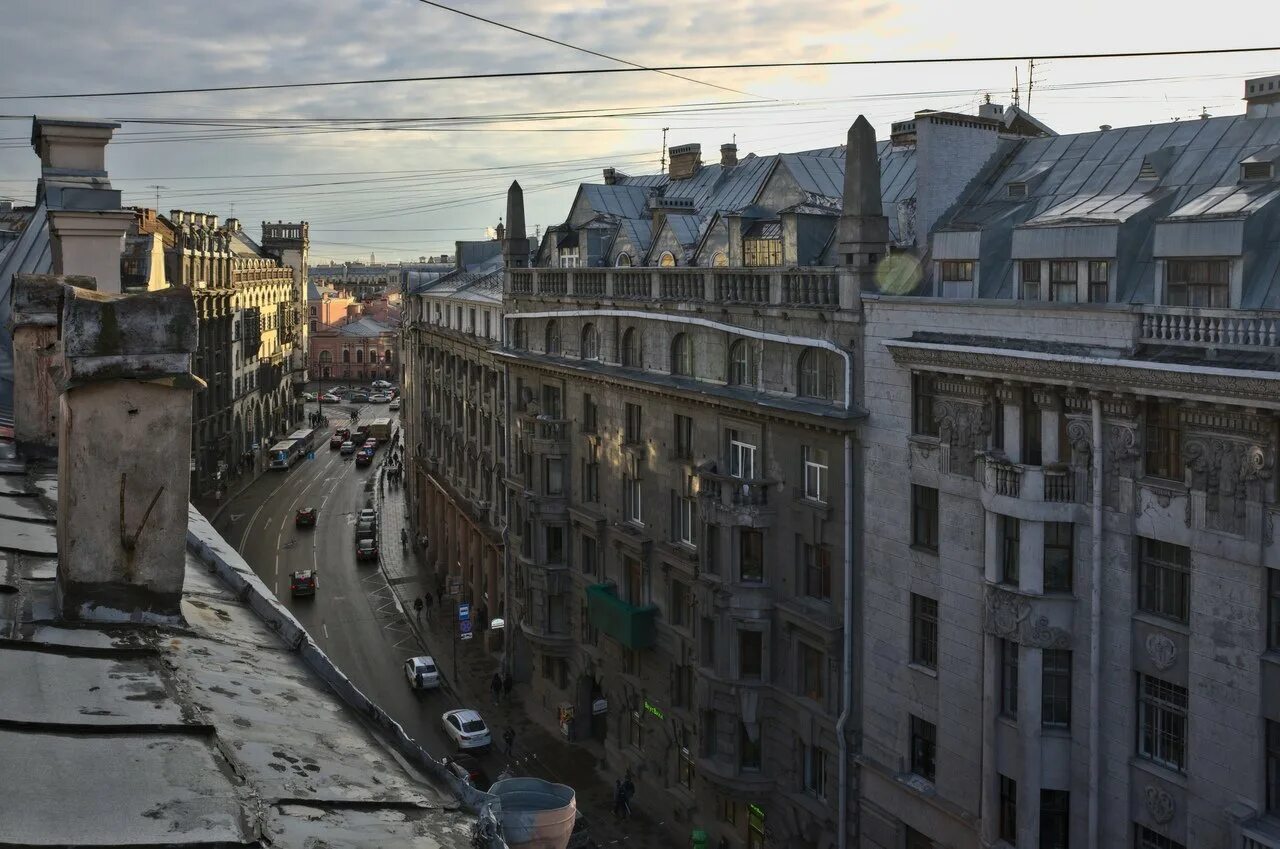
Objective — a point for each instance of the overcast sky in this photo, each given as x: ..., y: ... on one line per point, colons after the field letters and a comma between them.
x: 412, y: 191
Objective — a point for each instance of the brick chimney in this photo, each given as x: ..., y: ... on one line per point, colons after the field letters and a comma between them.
x: 728, y: 154
x: 123, y: 451
x: 35, y: 307
x: 686, y: 159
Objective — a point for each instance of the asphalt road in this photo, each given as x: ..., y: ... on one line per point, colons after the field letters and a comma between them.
x: 353, y: 616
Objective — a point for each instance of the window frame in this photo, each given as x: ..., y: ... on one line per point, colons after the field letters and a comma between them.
x: 925, y: 517
x: 1273, y: 609
x: 1007, y: 819
x: 740, y: 452
x: 551, y: 338
x: 1055, y: 688
x: 1147, y: 838
x: 1010, y: 531
x: 757, y: 575
x: 1162, y: 722
x: 629, y: 355
x: 1055, y: 819
x: 741, y: 370
x: 1099, y: 280
x: 816, y: 577
x: 682, y: 426
x: 682, y: 356
x: 1064, y: 281
x: 590, y: 346
x: 1061, y: 554
x: 1162, y: 443
x: 956, y: 270
x: 1164, y: 584
x: 761, y: 253
x: 1204, y: 292
x: 817, y: 375
x: 815, y: 771
x: 924, y: 631
x: 1009, y: 658
x: 1030, y: 280
x: 816, y: 464
x: 923, y: 748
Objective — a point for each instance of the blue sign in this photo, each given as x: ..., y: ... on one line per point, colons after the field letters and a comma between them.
x: 464, y: 612
x: 311, y: 455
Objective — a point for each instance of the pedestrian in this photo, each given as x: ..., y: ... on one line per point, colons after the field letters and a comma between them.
x: 628, y: 790
x: 417, y: 608
x: 506, y: 685
x: 509, y: 737
x: 430, y: 602
x: 617, y: 797
x: 496, y: 687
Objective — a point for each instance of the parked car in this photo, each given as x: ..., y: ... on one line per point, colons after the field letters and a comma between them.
x: 381, y: 384
x: 368, y: 514
x: 367, y: 549
x: 330, y: 399
x: 422, y: 673
x: 308, y: 396
x: 379, y: 398
x: 348, y: 447
x: 371, y: 444
x: 336, y: 441
x: 305, y: 518
x: 469, y: 770
x: 394, y: 405
x: 366, y: 530
x: 302, y: 583
x: 364, y: 457
x: 466, y: 729
x: 360, y: 398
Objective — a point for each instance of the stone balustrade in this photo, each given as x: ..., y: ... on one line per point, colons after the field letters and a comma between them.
x: 808, y: 288
x: 1244, y: 330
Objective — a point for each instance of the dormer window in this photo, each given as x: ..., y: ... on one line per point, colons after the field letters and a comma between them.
x: 1017, y: 190
x: 957, y: 277
x: 1256, y: 171
x: 1198, y: 282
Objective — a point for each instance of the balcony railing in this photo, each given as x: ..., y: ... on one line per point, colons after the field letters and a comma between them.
x: 1008, y: 479
x: 629, y: 624
x: 1246, y: 330
x: 1058, y: 483
x: 814, y: 288
x: 556, y: 430
x: 738, y: 492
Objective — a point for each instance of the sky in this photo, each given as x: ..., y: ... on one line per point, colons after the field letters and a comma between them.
x: 401, y: 189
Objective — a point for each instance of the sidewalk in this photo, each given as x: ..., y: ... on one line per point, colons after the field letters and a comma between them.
x: 539, y: 750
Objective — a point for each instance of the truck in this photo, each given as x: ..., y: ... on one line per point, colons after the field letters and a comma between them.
x: 380, y: 429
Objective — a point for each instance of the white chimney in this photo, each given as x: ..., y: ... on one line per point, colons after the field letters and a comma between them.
x: 89, y: 243
x: 124, y: 442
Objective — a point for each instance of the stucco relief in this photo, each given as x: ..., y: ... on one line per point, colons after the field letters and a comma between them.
x: 963, y: 426
x: 1159, y: 803
x: 1011, y: 617
x: 1225, y: 469
x: 1162, y: 651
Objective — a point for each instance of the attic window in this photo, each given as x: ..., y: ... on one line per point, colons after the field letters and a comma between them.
x: 1255, y: 171
x: 1017, y: 190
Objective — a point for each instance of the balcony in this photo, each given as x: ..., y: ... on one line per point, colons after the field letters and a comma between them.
x: 1026, y: 492
x: 1237, y: 330
x: 805, y: 288
x: 736, y: 501
x: 630, y: 625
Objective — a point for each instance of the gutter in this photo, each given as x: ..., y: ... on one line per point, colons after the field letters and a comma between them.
x: 1095, y: 625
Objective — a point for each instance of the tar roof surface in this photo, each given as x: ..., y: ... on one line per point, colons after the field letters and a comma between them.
x: 216, y: 733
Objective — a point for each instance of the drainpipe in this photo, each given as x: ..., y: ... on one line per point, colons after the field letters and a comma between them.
x: 846, y: 674
x: 1095, y: 625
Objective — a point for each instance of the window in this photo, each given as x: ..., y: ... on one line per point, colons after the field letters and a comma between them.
x: 488, y: 325
x: 1063, y: 276
x: 922, y: 418
x: 590, y: 414
x: 1198, y: 282
x: 553, y: 475
x: 1008, y: 829
x: 555, y: 544
x: 633, y: 574
x: 761, y: 253
x: 682, y: 355
x: 1009, y: 542
x: 817, y: 374
x: 1098, y: 287
x: 1273, y: 767
x: 815, y: 473
x: 631, y: 432
x: 1145, y: 838
x: 916, y: 840
x: 522, y: 334
x: 924, y: 748
x: 742, y: 370
x: 748, y: 749
x: 707, y: 636
x: 924, y: 517
x: 1009, y: 678
x: 755, y: 827
x: 589, y: 562
x: 635, y: 729
x: 1162, y: 722
x: 569, y: 257
x: 685, y: 758
x: 1164, y: 441
x: 727, y: 810
x: 751, y: 556
x: 710, y: 560
x: 552, y: 337
x: 630, y: 348
x: 686, y: 514
x: 817, y: 571
x: 1055, y: 689
x: 1032, y: 435
x: 1030, y: 269
x: 742, y: 456
x: 590, y: 342
x: 1055, y: 819
x: 683, y: 427
x: 924, y: 631
x: 812, y: 673
x: 634, y: 496
x: 1164, y: 579
x: 681, y: 605
x: 815, y: 771
x: 1059, y: 556
x: 667, y: 260
x: 623, y: 260
x: 750, y: 655
x: 1273, y: 609
x: 957, y: 271
x: 719, y: 260
x: 591, y: 474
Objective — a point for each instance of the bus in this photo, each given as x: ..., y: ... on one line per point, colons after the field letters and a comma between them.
x: 380, y: 429
x: 306, y: 437
x: 292, y: 449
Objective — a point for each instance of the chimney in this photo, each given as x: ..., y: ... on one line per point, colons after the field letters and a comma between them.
x: 610, y: 176
x: 863, y: 229
x: 728, y: 154
x: 686, y: 159
x: 500, y: 232
x: 991, y: 110
x: 124, y: 443
x: 1262, y: 97
x: 35, y: 306
x: 515, y: 247
x: 87, y: 242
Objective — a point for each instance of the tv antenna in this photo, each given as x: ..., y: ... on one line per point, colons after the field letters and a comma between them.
x: 157, y: 189
x: 663, y: 161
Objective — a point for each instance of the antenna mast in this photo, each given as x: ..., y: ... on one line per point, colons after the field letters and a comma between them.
x: 157, y: 189
x: 663, y: 161
x: 1015, y: 85
x: 1031, y: 78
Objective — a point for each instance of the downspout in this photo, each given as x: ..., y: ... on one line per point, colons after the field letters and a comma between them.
x: 846, y: 683
x: 1095, y: 625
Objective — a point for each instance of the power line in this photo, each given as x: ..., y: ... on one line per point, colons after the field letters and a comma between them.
x: 589, y: 52
x: 740, y: 66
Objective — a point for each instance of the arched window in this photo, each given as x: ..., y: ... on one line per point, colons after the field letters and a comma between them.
x: 326, y: 357
x: 817, y: 374
x: 631, y: 348
x: 623, y: 260
x: 682, y: 355
x: 360, y: 355
x: 590, y: 343
x: 551, y: 344
x: 742, y: 364
x: 386, y: 358
x: 346, y: 355
x: 667, y: 260
x: 720, y: 259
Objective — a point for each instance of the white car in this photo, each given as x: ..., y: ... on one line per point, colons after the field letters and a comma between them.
x: 330, y: 399
x: 381, y: 384
x: 422, y: 673
x: 467, y: 729
x: 308, y: 396
x: 394, y: 405
x: 379, y: 398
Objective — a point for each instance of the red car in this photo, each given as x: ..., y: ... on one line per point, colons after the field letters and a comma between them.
x: 344, y: 432
x: 302, y: 583
x: 364, y: 457
x: 371, y: 444
x: 305, y: 518
x: 335, y: 441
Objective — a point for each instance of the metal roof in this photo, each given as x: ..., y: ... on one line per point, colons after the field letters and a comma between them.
x: 625, y: 201
x: 30, y: 254
x: 367, y: 327
x: 225, y: 731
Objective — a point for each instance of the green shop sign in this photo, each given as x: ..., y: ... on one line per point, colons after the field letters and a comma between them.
x: 653, y: 709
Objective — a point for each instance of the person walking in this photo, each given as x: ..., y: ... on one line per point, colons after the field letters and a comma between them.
x: 495, y: 686
x: 617, y: 798
x: 417, y: 608
x: 509, y: 738
x: 506, y: 685
x: 628, y: 790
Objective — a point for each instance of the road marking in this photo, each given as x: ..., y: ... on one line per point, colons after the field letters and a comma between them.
x: 235, y: 517
x: 324, y: 627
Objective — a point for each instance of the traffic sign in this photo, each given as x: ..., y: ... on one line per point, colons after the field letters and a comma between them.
x: 464, y: 612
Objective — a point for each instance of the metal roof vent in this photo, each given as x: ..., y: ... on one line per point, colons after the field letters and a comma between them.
x: 1148, y: 171
x: 1017, y: 190
x: 1255, y: 171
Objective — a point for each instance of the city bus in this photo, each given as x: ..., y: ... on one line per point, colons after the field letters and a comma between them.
x: 380, y: 429
x: 306, y: 438
x: 289, y: 451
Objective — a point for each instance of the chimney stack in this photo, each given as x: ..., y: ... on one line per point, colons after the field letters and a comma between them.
x: 686, y: 159
x: 124, y: 443
x: 728, y: 154
x: 863, y: 231
x: 515, y: 247
x: 1262, y: 97
x: 610, y: 176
